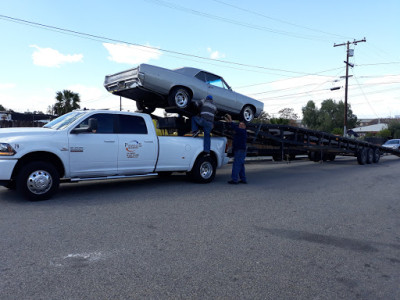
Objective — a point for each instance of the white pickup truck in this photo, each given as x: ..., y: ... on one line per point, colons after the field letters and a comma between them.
x: 99, y: 144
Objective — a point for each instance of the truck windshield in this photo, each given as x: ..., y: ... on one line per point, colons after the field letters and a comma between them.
x: 64, y: 121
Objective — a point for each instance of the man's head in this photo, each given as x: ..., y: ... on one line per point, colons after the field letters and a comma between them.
x: 209, y: 97
x: 242, y: 125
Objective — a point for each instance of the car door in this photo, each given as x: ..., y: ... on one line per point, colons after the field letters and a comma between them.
x: 94, y: 153
x: 137, y: 146
x: 224, y: 97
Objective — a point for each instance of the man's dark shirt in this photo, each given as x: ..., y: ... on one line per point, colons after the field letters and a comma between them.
x: 240, y: 138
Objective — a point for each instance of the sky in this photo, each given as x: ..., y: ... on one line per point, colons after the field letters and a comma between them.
x: 279, y: 52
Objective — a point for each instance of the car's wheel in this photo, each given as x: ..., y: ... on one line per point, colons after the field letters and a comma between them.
x: 38, y: 180
x: 362, y: 156
x: 148, y: 109
x: 179, y: 97
x: 377, y: 156
x: 203, y: 170
x: 247, y: 113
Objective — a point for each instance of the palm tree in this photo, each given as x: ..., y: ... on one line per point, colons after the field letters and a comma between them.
x: 66, y: 101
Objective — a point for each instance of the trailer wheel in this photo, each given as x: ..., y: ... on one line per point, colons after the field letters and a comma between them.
x: 318, y: 156
x: 377, y: 155
x: 147, y: 109
x: 179, y: 97
x: 38, y: 180
x: 331, y: 156
x: 277, y: 157
x: 370, y: 155
x: 203, y: 170
x: 362, y: 156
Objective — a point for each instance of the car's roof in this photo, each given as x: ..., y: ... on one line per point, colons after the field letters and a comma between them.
x: 188, y: 71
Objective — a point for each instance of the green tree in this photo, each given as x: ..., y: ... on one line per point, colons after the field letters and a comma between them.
x: 66, y: 101
x: 310, y: 115
x: 394, y: 127
x: 385, y: 133
x: 2, y: 108
x: 328, y: 117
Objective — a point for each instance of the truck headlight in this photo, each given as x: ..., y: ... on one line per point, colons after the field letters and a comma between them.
x: 6, y: 150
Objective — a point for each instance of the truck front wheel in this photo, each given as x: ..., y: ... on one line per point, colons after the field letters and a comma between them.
x: 203, y: 170
x: 38, y: 181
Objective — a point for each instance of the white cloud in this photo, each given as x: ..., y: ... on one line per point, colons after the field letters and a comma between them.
x: 131, y: 54
x: 215, y: 54
x: 6, y: 86
x: 48, y: 57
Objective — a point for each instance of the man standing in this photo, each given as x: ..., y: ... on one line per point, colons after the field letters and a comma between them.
x: 239, y: 150
x: 205, y: 121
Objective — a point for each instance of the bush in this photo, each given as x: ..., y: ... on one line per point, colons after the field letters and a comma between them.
x: 337, y: 131
x: 385, y: 133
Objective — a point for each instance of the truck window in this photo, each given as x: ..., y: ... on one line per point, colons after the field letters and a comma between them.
x: 132, y: 125
x: 105, y: 123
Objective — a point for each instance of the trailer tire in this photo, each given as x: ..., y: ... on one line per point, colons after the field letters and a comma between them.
x: 179, y: 97
x: 38, y: 180
x: 377, y: 156
x: 331, y: 156
x: 362, y: 156
x: 318, y: 156
x: 370, y: 156
x: 204, y: 170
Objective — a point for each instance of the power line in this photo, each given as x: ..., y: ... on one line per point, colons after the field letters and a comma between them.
x: 150, y: 48
x: 231, y: 21
x: 277, y: 20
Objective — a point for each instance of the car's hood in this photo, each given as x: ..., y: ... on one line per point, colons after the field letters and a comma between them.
x: 394, y: 146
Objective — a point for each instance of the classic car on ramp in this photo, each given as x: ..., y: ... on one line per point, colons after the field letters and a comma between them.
x: 155, y: 87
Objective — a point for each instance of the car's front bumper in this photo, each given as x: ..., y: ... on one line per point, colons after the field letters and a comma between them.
x: 6, y: 168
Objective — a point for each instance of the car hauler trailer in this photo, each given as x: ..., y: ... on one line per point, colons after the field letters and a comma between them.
x: 284, y: 142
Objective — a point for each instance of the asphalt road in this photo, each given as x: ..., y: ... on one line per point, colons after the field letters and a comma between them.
x: 302, y: 230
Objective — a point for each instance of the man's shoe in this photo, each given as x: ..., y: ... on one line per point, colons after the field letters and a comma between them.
x: 196, y: 133
x: 232, y: 182
x: 242, y: 181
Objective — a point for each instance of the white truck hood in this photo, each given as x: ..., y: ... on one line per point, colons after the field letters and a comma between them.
x: 8, y: 135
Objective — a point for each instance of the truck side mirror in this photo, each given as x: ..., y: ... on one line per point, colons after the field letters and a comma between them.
x: 91, y: 128
x: 92, y: 125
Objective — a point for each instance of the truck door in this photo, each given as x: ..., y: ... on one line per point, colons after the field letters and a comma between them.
x: 94, y: 153
x: 137, y: 146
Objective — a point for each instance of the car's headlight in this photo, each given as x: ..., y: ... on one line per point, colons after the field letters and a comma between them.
x: 6, y: 150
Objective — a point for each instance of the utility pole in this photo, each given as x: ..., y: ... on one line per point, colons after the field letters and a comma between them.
x: 120, y: 103
x: 347, y: 76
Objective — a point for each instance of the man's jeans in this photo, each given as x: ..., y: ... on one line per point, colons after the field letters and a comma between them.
x: 238, y: 170
x: 207, y: 127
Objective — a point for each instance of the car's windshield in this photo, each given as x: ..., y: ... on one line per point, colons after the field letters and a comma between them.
x: 64, y: 121
x: 392, y: 142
